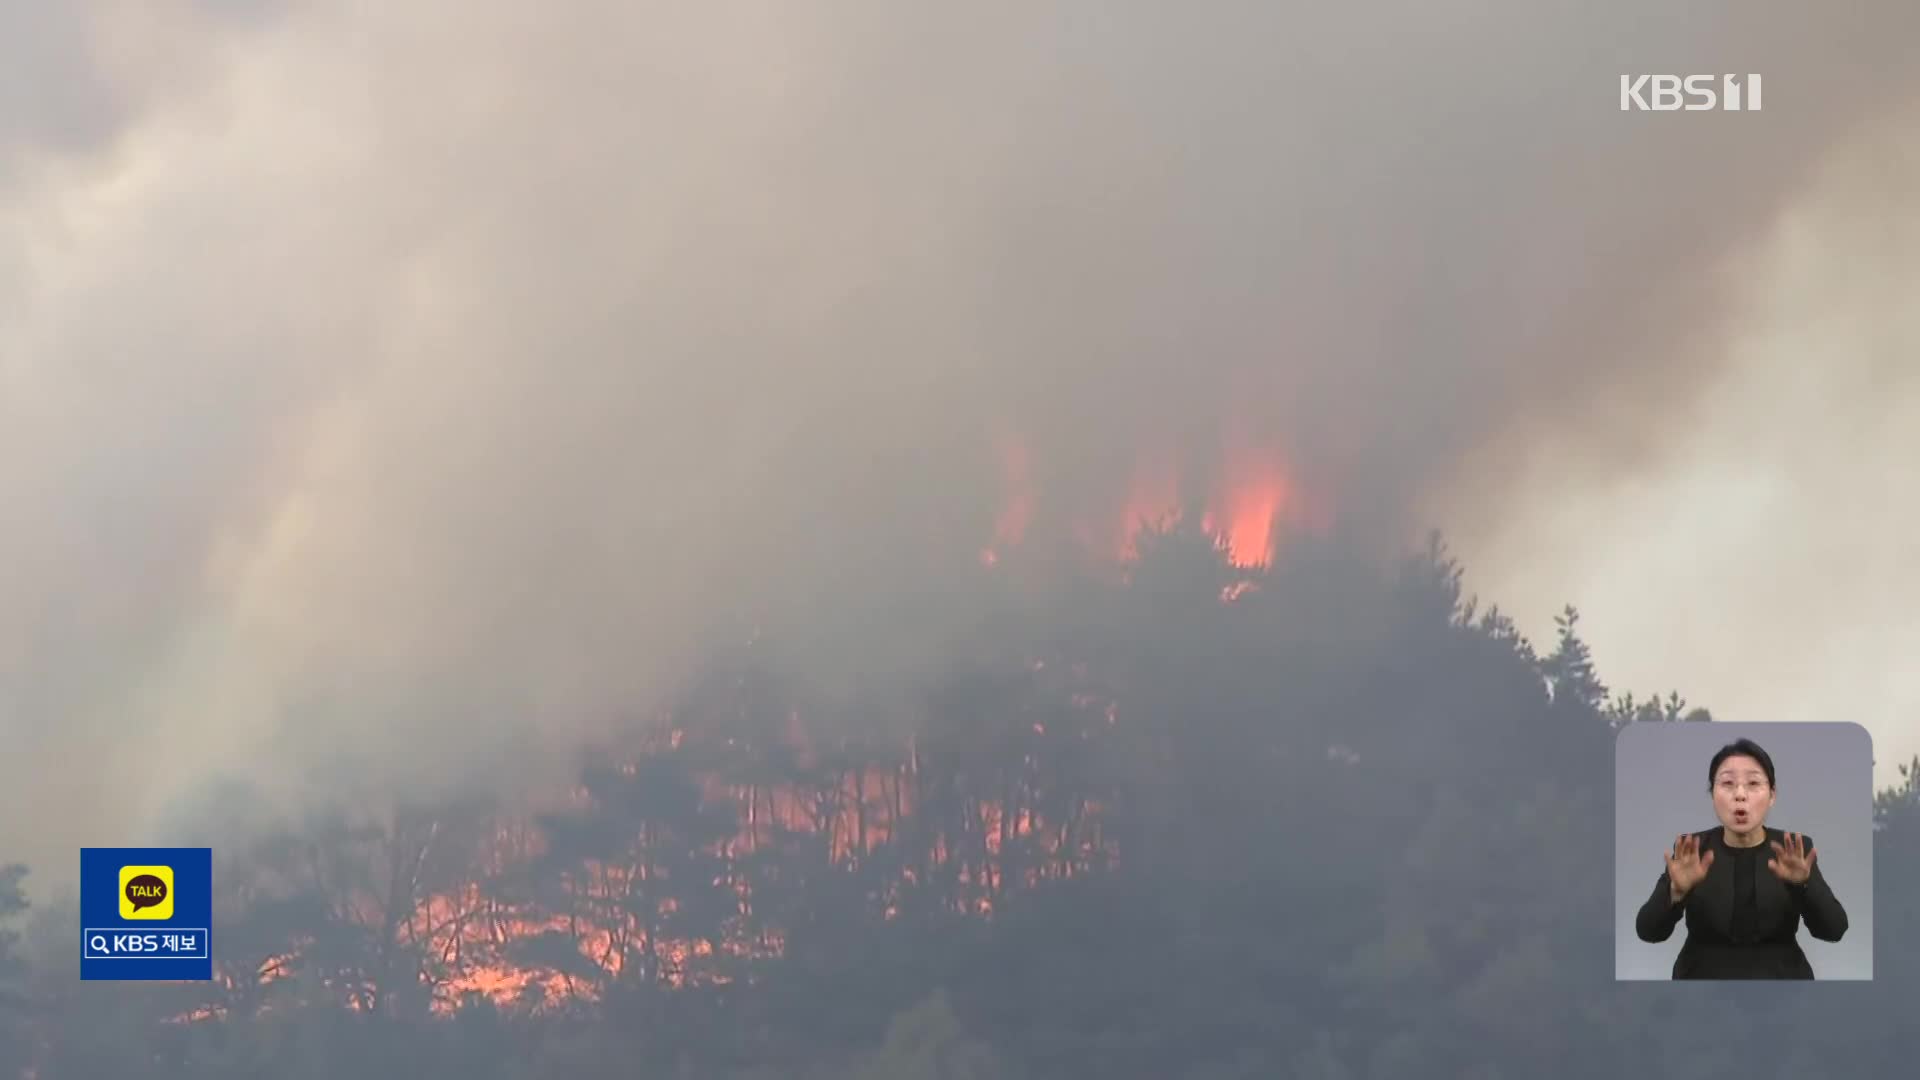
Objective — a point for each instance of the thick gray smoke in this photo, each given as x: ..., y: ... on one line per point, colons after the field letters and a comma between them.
x: 411, y: 381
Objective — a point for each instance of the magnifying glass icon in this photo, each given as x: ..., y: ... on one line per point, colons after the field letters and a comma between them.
x: 98, y: 943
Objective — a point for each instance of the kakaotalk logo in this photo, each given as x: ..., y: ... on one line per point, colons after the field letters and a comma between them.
x: 1691, y: 93
x: 146, y: 892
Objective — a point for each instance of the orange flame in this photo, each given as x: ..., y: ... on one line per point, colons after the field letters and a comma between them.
x: 1254, y: 496
x: 1251, y: 497
x: 469, y: 932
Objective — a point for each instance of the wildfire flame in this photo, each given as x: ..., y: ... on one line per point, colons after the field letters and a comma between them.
x: 1254, y: 497
x: 474, y: 940
x: 1247, y: 502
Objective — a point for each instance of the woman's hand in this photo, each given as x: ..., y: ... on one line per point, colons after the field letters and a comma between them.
x: 1686, y: 866
x: 1792, y: 861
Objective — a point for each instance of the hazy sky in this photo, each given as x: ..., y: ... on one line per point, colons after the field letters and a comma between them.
x: 418, y: 378
x: 1769, y: 566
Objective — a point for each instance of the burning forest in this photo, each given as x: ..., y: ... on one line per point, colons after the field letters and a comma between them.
x: 812, y: 543
x: 1094, y: 818
x: 686, y: 855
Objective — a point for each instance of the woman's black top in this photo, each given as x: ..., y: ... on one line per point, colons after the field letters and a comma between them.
x: 1742, y: 921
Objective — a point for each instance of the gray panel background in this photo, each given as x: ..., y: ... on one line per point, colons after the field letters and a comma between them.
x: 1825, y: 789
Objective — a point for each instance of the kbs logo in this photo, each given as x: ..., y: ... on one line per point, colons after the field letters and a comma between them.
x: 1693, y: 93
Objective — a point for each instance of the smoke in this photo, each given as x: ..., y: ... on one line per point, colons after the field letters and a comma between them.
x: 386, y: 389
x: 1765, y: 568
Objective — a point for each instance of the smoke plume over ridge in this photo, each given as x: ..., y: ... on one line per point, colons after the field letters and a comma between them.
x: 424, y: 376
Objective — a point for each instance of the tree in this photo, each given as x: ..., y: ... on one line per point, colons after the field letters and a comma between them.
x: 1569, y: 671
x: 638, y: 874
x: 15, y: 1030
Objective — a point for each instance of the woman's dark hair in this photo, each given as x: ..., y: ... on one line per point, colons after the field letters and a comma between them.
x: 1739, y: 747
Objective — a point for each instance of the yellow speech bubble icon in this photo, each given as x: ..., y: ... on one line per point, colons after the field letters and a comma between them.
x: 146, y: 892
